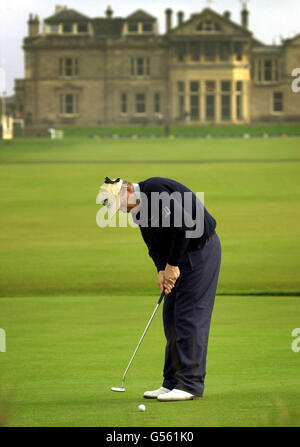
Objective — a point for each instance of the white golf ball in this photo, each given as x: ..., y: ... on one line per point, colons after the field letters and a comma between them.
x: 142, y: 407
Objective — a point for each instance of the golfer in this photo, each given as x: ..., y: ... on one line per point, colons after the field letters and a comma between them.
x: 181, y: 239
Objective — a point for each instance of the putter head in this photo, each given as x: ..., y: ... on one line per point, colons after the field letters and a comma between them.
x: 118, y: 390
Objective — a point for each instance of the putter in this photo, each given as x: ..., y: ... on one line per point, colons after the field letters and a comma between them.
x: 122, y: 388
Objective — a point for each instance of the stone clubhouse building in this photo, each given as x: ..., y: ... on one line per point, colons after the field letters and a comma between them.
x: 207, y: 69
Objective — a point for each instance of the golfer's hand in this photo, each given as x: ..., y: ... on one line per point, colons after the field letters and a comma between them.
x: 171, y: 274
x: 161, y: 280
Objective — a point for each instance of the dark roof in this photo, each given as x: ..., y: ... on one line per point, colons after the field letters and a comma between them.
x: 108, y: 27
x: 140, y: 16
x: 67, y: 15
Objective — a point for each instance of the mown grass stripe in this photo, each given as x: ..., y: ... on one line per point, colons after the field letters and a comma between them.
x: 185, y: 162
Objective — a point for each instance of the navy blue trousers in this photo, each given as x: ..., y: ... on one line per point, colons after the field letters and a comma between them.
x: 187, y: 314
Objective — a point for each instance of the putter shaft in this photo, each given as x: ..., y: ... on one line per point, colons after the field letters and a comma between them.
x: 141, y: 339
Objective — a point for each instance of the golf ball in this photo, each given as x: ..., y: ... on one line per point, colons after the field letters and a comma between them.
x: 142, y: 407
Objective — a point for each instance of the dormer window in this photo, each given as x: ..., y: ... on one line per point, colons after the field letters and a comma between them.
x: 82, y: 28
x: 133, y: 27
x: 67, y: 28
x: 140, y: 22
x: 54, y: 29
x: 208, y: 25
x: 147, y: 27
x: 66, y: 21
x: 140, y: 27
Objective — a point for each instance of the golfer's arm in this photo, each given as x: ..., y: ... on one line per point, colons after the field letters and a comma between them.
x: 179, y: 244
x: 160, y: 263
x: 179, y: 239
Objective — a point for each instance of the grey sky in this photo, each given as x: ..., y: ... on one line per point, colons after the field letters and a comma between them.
x: 268, y: 20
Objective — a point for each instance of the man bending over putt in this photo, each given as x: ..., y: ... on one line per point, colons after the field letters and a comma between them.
x: 181, y: 239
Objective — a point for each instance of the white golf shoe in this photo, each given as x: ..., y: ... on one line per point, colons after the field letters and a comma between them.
x: 155, y: 393
x: 176, y: 395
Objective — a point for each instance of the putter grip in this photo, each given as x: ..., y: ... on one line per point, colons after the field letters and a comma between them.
x: 161, y: 298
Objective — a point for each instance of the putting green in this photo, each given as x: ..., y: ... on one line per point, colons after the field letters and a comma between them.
x: 64, y: 354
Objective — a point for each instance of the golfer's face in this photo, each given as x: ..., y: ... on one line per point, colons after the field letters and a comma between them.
x: 127, y: 200
x: 124, y: 200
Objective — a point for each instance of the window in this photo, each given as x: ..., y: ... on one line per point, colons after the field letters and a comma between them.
x: 239, y: 86
x: 195, y: 51
x: 224, y: 51
x: 180, y: 86
x: 238, y: 50
x: 194, y: 86
x: 181, y: 51
x: 194, y: 105
x: 157, y: 103
x: 69, y: 104
x: 82, y: 28
x: 239, y: 107
x: 210, y: 86
x: 210, y: 89
x: 133, y: 27
x: 277, y: 102
x: 67, y: 28
x: 239, y: 100
x: 225, y: 86
x: 268, y: 70
x: 259, y: 71
x: 147, y: 27
x: 140, y: 66
x: 194, y: 100
x: 181, y: 99
x: 209, y: 51
x: 124, y: 103
x: 140, y: 103
x: 225, y: 100
x: 225, y: 107
x: 181, y: 106
x: 68, y: 66
x: 54, y: 29
x: 210, y: 107
x: 208, y: 25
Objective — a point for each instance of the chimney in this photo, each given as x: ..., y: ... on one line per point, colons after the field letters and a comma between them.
x: 33, y: 25
x: 180, y: 16
x: 227, y: 15
x: 59, y: 8
x: 109, y: 12
x: 244, y: 15
x: 169, y: 13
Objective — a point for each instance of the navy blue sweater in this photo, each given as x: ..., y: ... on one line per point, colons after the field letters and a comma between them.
x: 167, y: 244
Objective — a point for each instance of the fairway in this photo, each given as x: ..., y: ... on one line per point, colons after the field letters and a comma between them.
x: 73, y: 316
